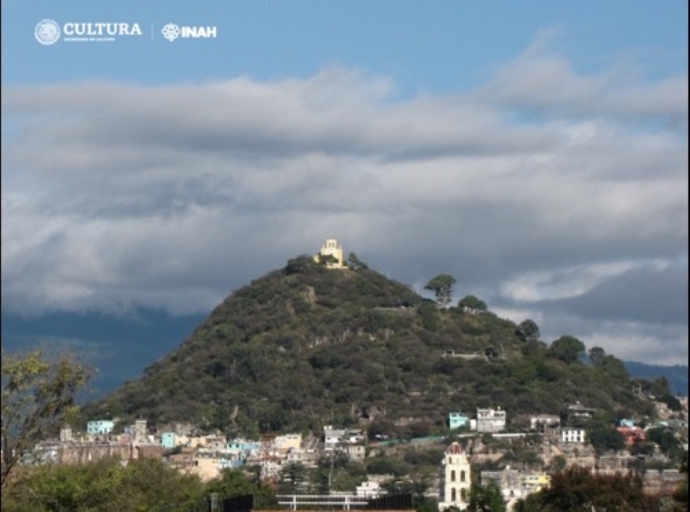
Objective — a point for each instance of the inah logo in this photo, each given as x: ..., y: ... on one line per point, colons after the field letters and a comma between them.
x: 47, y: 32
x: 171, y: 32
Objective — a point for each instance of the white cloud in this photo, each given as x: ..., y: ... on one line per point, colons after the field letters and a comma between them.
x: 568, y: 282
x: 539, y: 81
x: 172, y: 196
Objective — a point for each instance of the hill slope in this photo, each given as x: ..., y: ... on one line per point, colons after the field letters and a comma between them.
x: 304, y: 346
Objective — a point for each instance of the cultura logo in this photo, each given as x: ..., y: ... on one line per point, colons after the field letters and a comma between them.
x: 171, y: 32
x: 47, y: 32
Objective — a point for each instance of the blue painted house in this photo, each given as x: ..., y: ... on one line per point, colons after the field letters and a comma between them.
x: 458, y: 420
x: 168, y: 440
x: 100, y: 427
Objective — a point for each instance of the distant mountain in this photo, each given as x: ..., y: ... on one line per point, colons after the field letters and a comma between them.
x: 677, y: 376
x: 119, y: 347
x: 305, y: 346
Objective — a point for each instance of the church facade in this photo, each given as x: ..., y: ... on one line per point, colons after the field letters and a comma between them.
x: 455, y: 478
x: 333, y: 249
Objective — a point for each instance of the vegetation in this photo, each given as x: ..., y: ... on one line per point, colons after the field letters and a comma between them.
x: 486, y: 498
x: 442, y: 286
x: 676, y: 376
x: 37, y: 396
x: 306, y: 346
x: 578, y: 489
x: 666, y: 441
x: 472, y: 304
x: 354, y: 263
x: 604, y: 437
x: 108, y: 486
x: 528, y: 330
x: 568, y: 349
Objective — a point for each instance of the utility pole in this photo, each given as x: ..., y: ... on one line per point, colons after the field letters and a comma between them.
x: 330, y: 471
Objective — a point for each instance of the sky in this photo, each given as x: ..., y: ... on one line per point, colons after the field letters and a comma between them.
x: 537, y: 151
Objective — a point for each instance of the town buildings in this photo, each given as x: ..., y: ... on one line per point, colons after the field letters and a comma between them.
x: 491, y: 420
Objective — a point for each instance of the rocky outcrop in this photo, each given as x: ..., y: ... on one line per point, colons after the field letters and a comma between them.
x: 662, y: 482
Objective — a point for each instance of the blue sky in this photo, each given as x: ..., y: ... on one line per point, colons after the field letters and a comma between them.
x: 535, y: 150
x: 424, y: 46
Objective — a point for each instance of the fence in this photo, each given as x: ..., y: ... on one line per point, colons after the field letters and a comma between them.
x: 245, y: 503
x: 321, y: 501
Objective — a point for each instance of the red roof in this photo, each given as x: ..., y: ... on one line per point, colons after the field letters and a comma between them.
x: 455, y: 449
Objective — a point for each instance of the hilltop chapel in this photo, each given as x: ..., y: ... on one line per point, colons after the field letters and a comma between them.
x: 333, y: 249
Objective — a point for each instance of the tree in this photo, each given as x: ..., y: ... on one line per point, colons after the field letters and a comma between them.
x: 355, y: 263
x: 486, y: 498
x: 428, y: 312
x: 234, y: 482
x: 671, y: 401
x: 105, y: 485
x: 442, y: 286
x: 578, y: 489
x: 614, y: 368
x: 298, y: 265
x: 527, y: 331
x: 37, y: 398
x: 292, y: 478
x: 558, y: 463
x: 596, y: 355
x: 472, y: 304
x: 567, y: 348
x: 668, y: 444
x: 605, y: 438
x: 328, y: 259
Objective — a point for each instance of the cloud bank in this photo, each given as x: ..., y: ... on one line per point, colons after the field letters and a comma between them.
x: 550, y: 194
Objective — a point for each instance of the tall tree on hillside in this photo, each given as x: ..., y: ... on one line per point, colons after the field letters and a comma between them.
x: 355, y: 263
x: 567, y: 348
x: 472, y: 304
x: 37, y: 397
x: 442, y: 286
x: 527, y: 331
x: 597, y: 355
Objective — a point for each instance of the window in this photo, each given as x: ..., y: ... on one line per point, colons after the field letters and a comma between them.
x: 453, y: 496
x: 462, y: 476
x: 452, y: 476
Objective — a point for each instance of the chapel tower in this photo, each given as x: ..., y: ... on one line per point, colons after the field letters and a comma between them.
x: 455, y: 478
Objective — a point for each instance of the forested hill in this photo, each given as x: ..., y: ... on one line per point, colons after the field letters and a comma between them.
x: 305, y: 346
x: 677, y: 376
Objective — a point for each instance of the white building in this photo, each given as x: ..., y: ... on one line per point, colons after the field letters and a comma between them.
x: 509, y: 481
x: 544, y: 421
x: 573, y: 435
x: 333, y: 249
x: 140, y: 432
x: 65, y: 434
x: 455, y: 479
x: 356, y: 452
x: 288, y: 442
x: 491, y: 420
x: 368, y: 490
x: 332, y: 437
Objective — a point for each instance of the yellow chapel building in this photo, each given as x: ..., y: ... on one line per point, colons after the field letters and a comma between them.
x: 332, y: 248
